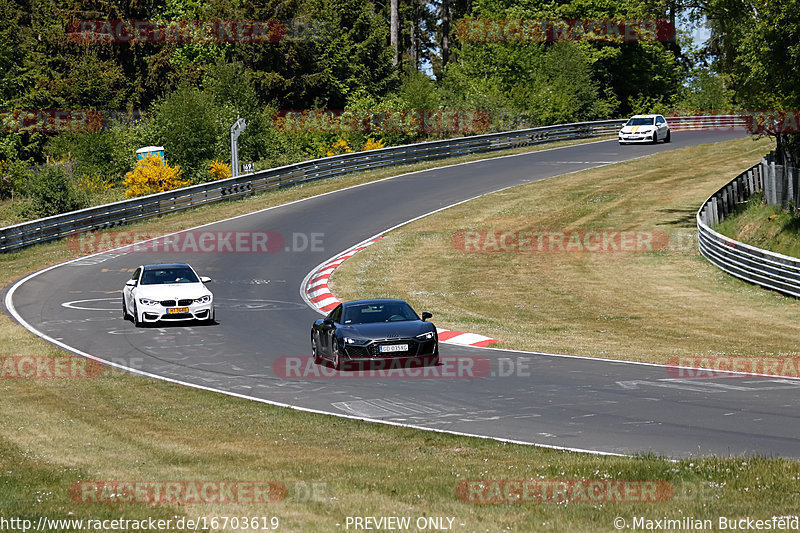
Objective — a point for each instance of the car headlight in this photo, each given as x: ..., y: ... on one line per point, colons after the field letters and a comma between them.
x: 426, y: 336
x: 203, y: 299
x: 147, y: 301
x: 354, y: 340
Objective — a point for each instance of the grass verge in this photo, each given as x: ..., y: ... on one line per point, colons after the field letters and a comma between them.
x: 55, y: 432
x: 645, y: 306
x: 765, y: 226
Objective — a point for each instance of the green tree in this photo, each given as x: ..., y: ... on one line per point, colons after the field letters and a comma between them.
x: 192, y: 127
x: 757, y: 46
x: 52, y: 192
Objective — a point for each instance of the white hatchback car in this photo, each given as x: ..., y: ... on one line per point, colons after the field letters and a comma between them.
x: 167, y: 292
x: 645, y: 129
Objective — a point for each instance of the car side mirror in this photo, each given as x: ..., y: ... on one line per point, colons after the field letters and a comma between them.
x: 131, y: 283
x: 426, y: 315
x: 205, y: 279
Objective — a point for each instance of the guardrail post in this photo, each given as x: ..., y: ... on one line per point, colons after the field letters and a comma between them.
x: 726, y: 200
x: 786, y: 179
x: 743, y: 187
x: 714, y: 211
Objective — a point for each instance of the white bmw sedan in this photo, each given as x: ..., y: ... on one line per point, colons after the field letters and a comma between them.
x: 645, y: 129
x: 168, y: 292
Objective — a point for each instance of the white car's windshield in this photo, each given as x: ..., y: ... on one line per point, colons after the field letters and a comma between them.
x: 162, y: 276
x: 641, y: 121
x: 381, y: 312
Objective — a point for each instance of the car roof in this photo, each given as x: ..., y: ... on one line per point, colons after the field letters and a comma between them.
x: 164, y: 265
x: 652, y: 115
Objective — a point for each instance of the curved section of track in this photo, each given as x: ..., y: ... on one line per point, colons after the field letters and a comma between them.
x: 571, y: 402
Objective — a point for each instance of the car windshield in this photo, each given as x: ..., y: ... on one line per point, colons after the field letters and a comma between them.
x: 378, y: 312
x: 162, y: 276
x: 641, y: 121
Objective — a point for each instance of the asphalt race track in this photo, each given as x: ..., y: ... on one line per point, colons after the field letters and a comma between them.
x: 571, y: 402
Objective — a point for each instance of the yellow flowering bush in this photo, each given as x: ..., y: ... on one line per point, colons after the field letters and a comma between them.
x: 219, y: 170
x: 93, y: 184
x: 339, y: 147
x: 373, y: 145
x: 153, y: 174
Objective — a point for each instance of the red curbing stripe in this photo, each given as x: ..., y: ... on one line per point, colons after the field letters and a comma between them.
x: 329, y: 307
x: 484, y: 344
x: 446, y: 335
x: 321, y: 297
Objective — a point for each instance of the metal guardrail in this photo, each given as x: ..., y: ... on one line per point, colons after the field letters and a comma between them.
x: 768, y: 269
x: 124, y: 212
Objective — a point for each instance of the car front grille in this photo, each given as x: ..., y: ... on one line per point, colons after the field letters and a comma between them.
x: 359, y: 352
x: 412, y: 349
x: 179, y: 303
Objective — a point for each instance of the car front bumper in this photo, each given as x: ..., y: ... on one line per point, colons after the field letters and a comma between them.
x: 159, y: 313
x: 372, y: 351
x: 636, y: 138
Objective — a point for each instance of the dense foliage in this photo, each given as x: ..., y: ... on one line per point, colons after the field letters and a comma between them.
x: 336, y: 55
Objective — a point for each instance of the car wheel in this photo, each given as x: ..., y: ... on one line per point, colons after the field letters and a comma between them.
x: 655, y: 138
x: 668, y: 137
x: 124, y: 310
x: 315, y: 350
x: 213, y: 318
x: 136, y: 322
x: 337, y: 359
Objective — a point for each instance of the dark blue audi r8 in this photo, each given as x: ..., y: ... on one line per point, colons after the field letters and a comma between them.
x: 368, y: 331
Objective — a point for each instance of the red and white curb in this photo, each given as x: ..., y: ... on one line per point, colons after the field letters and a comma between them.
x: 317, y: 286
x: 319, y: 295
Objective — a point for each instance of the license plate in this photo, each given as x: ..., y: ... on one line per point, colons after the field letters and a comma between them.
x: 394, y: 348
x: 178, y: 310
